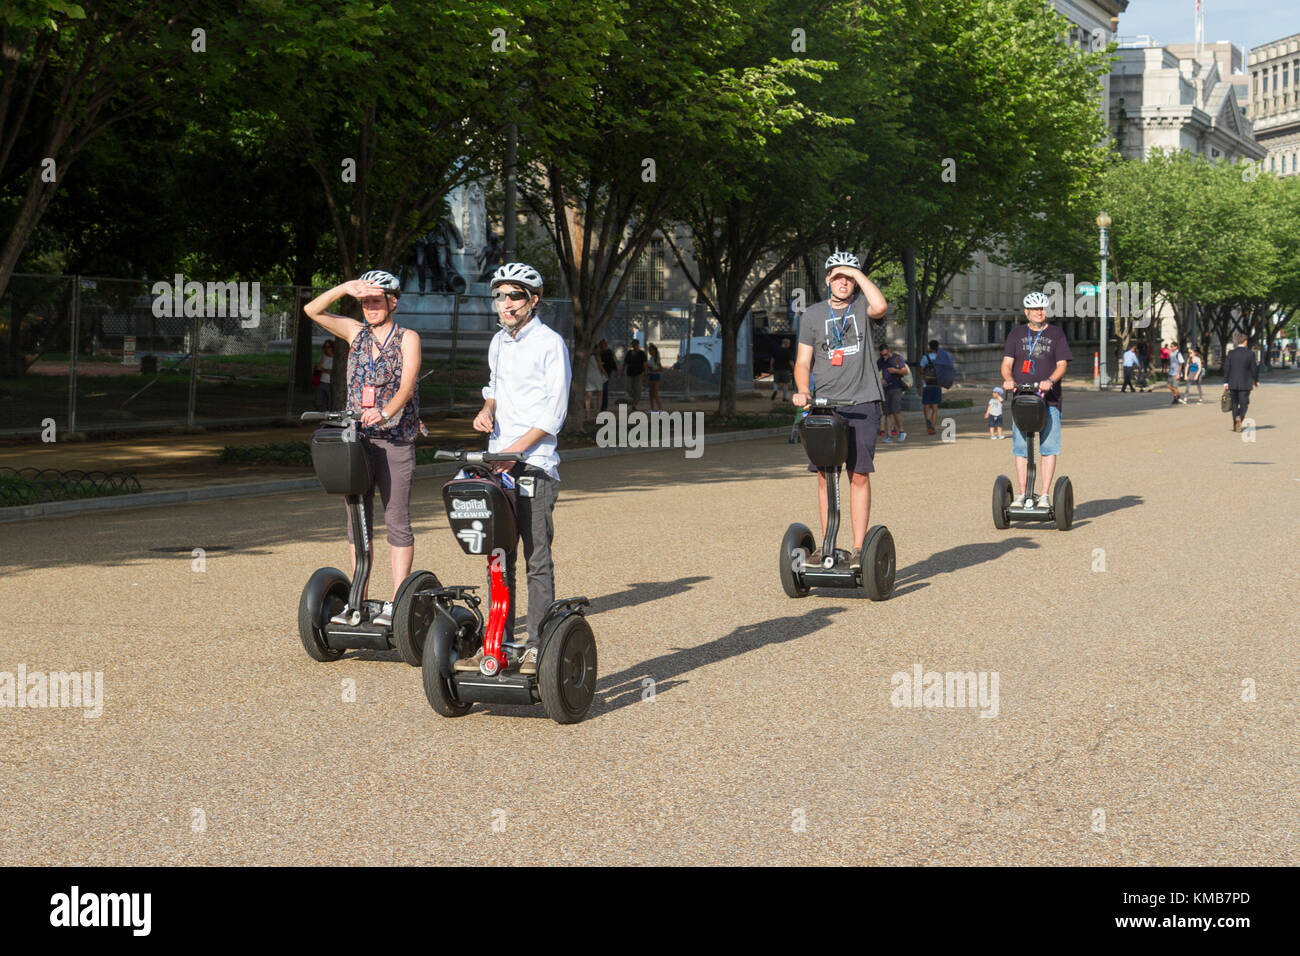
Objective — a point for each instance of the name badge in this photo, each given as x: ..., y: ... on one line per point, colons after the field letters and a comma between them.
x: 367, y: 396
x: 837, y: 357
x: 1027, y: 367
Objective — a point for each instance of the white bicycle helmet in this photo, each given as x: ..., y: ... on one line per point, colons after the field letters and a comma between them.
x: 519, y: 273
x: 838, y: 258
x: 385, y: 280
x: 1036, y: 300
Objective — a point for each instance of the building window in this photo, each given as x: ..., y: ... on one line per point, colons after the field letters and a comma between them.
x: 648, y: 276
x: 796, y: 277
x: 991, y: 332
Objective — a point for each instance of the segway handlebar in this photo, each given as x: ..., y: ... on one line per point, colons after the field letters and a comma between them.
x: 477, y: 457
x: 331, y: 418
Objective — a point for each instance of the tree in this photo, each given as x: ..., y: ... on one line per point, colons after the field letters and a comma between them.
x: 663, y: 97
x: 1008, y: 129
x: 69, y: 72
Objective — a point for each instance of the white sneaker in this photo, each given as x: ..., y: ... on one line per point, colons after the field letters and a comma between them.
x: 993, y: 438
x: 1044, y: 501
x: 1018, y: 501
x: 902, y: 436
x: 385, y: 617
x: 342, y: 617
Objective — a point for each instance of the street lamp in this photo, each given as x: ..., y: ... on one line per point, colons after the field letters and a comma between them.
x: 1103, y: 223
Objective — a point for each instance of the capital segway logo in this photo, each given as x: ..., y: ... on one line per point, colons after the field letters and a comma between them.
x: 470, y: 508
x: 951, y: 689
x: 651, y: 430
x: 473, y: 537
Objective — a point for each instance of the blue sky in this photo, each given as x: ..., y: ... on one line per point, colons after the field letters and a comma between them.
x: 1246, y: 23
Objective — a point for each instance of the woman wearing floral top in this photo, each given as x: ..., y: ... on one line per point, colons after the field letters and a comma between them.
x: 383, y: 369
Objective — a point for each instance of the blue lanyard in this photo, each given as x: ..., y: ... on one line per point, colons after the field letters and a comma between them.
x: 370, y: 352
x: 843, y: 323
x: 1035, y: 341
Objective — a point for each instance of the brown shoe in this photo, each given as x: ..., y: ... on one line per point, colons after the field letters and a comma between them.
x: 855, y: 560
x: 468, y: 663
x: 528, y: 663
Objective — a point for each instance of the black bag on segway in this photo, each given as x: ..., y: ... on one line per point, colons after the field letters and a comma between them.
x: 825, y: 437
x: 341, y: 462
x: 1029, y: 412
x: 481, y: 512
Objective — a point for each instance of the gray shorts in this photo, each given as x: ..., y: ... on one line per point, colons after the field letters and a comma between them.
x: 893, y: 401
x: 394, y: 467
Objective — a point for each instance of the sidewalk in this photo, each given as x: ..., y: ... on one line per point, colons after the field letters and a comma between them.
x: 178, y: 461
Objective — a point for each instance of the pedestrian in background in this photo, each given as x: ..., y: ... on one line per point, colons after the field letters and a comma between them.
x: 655, y: 374
x: 1195, y: 372
x: 892, y: 368
x: 1174, y: 362
x: 596, y: 383
x: 1130, y: 369
x: 994, y: 413
x: 634, y: 368
x: 1240, y: 375
x: 610, y: 365
x: 321, y: 377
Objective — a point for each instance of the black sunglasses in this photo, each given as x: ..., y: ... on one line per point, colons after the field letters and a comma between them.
x: 512, y: 296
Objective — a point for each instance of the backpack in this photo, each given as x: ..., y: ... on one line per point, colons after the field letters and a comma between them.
x: 946, y: 369
x: 929, y: 371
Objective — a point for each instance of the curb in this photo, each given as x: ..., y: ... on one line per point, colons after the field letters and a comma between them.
x: 151, y: 499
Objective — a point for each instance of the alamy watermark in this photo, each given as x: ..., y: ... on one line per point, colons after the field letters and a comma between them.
x: 213, y: 300
x: 930, y: 689
x: 37, y: 689
x: 651, y: 430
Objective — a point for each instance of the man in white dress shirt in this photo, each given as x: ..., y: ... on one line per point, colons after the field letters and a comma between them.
x: 525, y: 403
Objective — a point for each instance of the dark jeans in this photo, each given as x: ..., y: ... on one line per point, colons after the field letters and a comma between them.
x: 604, y: 395
x: 536, y: 530
x: 1240, y: 401
x: 1128, y: 379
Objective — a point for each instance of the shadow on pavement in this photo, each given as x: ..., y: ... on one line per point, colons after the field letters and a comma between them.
x: 643, y: 592
x: 955, y: 559
x: 628, y: 686
x: 1104, y: 506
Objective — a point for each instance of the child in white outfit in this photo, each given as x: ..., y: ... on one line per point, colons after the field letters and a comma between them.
x: 994, y: 414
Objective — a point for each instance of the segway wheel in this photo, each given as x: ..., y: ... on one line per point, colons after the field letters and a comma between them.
x: 1063, y: 503
x: 878, y: 565
x: 797, y: 538
x: 566, y: 673
x: 325, y: 594
x: 411, y: 618
x: 1002, y: 502
x: 441, y: 648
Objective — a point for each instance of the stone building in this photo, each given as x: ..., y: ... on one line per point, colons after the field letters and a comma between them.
x: 1274, y: 105
x: 1164, y: 97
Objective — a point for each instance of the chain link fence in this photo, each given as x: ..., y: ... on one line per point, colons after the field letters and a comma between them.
x: 97, y: 355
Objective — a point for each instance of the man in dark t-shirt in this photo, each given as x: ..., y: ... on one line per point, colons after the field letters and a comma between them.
x: 633, y: 368
x: 1036, y: 354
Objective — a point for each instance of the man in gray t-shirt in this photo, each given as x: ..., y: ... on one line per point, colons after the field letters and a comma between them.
x: 837, y: 349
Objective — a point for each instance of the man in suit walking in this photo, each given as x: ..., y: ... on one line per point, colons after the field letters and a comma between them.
x: 1240, y: 375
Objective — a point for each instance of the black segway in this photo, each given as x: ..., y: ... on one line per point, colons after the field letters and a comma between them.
x: 824, y: 434
x: 481, y: 510
x: 332, y: 614
x: 1029, y: 411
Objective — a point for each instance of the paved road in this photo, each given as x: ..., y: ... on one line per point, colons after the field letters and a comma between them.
x: 771, y: 737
